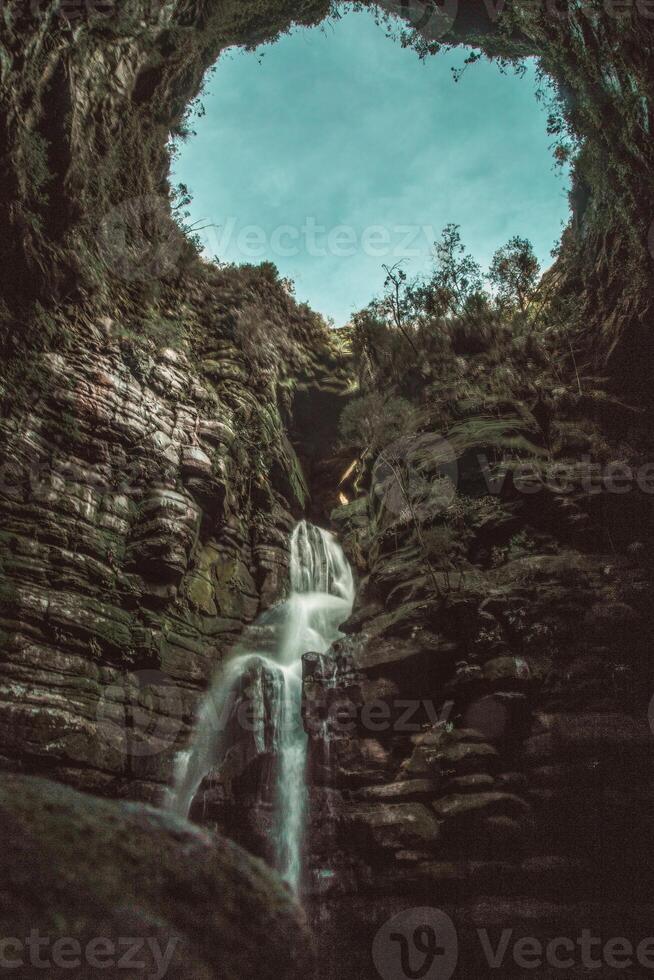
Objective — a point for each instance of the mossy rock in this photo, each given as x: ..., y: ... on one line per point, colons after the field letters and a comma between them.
x: 77, y: 868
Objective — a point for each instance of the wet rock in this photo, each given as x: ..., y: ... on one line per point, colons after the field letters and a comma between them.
x: 463, y: 805
x: 395, y: 826
x: 439, y: 752
x: 409, y: 789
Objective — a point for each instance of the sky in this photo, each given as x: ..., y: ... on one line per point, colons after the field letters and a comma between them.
x: 335, y: 151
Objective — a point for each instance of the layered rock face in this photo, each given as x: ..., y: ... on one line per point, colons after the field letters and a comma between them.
x: 480, y: 739
x: 481, y: 742
x: 146, y: 506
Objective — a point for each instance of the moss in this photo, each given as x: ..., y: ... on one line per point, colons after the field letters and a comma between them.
x: 99, y: 868
x: 35, y: 159
x: 160, y: 330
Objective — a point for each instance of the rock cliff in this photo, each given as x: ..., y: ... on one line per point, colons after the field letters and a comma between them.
x: 480, y: 738
x: 147, y: 497
x: 159, y: 436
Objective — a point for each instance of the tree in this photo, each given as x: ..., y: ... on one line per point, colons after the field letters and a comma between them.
x: 397, y: 302
x: 514, y: 272
x: 457, y: 277
x: 374, y: 420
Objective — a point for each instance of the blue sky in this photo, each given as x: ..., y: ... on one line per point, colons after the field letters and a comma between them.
x: 335, y: 151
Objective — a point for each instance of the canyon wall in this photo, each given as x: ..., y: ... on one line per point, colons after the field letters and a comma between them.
x: 147, y: 497
x: 154, y: 409
x: 480, y: 740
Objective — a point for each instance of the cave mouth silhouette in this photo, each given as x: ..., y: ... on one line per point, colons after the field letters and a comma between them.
x: 300, y: 156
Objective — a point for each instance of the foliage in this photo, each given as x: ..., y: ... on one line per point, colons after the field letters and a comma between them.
x: 397, y: 302
x: 375, y: 420
x: 191, y: 244
x: 519, y: 545
x: 473, y: 511
x: 456, y: 279
x: 162, y: 331
x: 418, y: 329
x: 560, y: 126
x: 514, y: 273
x: 477, y: 329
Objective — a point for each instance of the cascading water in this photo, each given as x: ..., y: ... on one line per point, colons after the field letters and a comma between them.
x: 321, y: 598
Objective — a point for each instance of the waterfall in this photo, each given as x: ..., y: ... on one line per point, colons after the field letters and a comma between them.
x: 320, y: 599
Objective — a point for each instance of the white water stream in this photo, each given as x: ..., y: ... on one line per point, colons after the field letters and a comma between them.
x: 321, y: 597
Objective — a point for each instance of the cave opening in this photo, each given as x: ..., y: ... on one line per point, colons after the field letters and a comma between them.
x: 337, y: 151
x: 156, y: 412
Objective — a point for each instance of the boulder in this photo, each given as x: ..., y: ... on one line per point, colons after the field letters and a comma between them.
x: 87, y: 883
